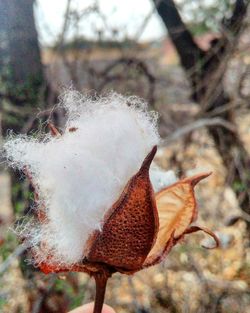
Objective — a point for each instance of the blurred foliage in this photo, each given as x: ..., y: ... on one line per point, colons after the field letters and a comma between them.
x: 74, y: 291
x: 10, y: 242
x: 205, y: 16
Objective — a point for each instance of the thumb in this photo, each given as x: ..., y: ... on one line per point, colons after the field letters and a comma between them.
x: 88, y: 308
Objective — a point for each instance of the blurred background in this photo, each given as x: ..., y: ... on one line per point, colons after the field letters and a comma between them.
x: 190, y: 59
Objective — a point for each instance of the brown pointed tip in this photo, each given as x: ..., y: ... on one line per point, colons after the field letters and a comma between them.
x: 194, y: 180
x: 149, y: 158
x: 53, y: 130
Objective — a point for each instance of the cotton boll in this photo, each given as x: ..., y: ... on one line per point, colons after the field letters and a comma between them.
x: 82, y: 173
x: 83, y: 201
x: 161, y: 179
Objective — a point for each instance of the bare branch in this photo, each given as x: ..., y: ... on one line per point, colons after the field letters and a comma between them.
x: 65, y: 25
x: 182, y: 38
x: 234, y: 23
x: 205, y: 122
x: 7, y: 263
x: 38, y: 304
x: 146, y: 21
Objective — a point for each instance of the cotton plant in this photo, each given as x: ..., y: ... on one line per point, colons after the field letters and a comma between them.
x: 100, y: 207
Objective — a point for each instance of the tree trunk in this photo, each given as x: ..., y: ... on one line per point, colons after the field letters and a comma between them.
x: 25, y: 62
x: 206, y: 70
x: 23, y: 81
x: 24, y: 78
x: 3, y: 37
x: 21, y: 88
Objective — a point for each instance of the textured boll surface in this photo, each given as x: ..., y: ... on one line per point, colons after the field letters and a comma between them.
x: 80, y: 175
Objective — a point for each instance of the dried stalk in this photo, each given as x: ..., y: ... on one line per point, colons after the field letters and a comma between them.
x: 101, y: 279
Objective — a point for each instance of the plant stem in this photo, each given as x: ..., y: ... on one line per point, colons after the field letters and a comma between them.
x: 101, y: 279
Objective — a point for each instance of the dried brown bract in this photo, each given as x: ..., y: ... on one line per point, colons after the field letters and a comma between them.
x: 139, y: 230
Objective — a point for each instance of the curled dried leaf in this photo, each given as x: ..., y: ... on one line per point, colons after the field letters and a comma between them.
x: 176, y: 206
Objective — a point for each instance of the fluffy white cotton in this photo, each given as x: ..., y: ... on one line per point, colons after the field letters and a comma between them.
x: 160, y: 178
x: 82, y: 173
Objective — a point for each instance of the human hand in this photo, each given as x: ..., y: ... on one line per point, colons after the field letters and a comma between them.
x: 88, y: 308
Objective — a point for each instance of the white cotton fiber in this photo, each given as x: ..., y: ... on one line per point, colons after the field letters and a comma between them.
x: 82, y: 173
x: 160, y: 178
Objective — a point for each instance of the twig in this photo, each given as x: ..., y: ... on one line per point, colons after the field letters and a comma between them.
x: 146, y: 21
x: 17, y: 252
x: 241, y: 84
x: 65, y: 25
x: 205, y: 122
x: 245, y: 216
x: 138, y: 64
x: 37, y: 305
x: 232, y: 105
